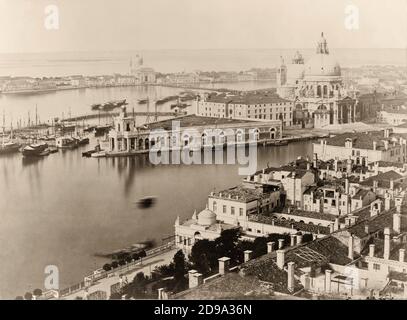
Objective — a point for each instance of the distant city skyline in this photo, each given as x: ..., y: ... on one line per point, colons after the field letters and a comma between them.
x: 212, y: 24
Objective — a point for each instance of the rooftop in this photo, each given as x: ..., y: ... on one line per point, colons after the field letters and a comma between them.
x: 248, y: 98
x: 360, y: 140
x: 240, y: 193
x: 192, y: 121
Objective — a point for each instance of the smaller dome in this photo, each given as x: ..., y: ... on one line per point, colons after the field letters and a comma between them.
x: 206, y: 217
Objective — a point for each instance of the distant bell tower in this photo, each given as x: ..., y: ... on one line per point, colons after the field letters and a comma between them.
x: 281, y: 73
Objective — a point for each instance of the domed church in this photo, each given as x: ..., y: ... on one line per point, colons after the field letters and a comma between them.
x: 317, y: 89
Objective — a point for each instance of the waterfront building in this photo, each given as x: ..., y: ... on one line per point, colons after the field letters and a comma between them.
x: 266, y: 105
x: 395, y: 116
x: 77, y: 81
x: 142, y: 74
x: 126, y: 138
x: 316, y: 88
x: 363, y: 147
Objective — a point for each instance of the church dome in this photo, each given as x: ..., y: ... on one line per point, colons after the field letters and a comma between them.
x: 322, y: 63
x: 206, y: 217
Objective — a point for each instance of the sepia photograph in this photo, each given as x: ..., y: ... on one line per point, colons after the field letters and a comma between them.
x: 217, y: 150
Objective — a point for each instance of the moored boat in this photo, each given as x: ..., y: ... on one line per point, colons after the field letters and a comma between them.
x: 9, y: 147
x: 34, y: 150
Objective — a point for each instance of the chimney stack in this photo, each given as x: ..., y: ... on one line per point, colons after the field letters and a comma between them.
x: 386, y: 254
x: 224, y: 265
x: 347, y: 186
x: 401, y: 255
x: 299, y: 238
x: 391, y: 184
x: 397, y: 222
x: 374, y: 145
x: 375, y: 185
x: 315, y: 160
x: 191, y: 279
x: 290, y: 280
x: 387, y: 202
x: 328, y: 280
x: 247, y: 255
x: 350, y: 247
x: 336, y: 224
x: 292, y: 243
x: 371, y: 250
x: 270, y: 247
x: 280, y: 258
x: 366, y: 228
x: 280, y: 243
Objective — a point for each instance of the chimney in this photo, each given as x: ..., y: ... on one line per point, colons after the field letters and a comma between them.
x: 375, y: 185
x: 336, y: 224
x: 336, y: 165
x: 328, y: 280
x: 315, y: 161
x: 350, y: 247
x: 397, y: 222
x: 331, y: 227
x: 387, y: 202
x: 280, y: 243
x: 398, y: 207
x: 366, y: 228
x: 160, y: 293
x: 280, y: 258
x: 347, y: 186
x: 401, y: 255
x: 247, y: 255
x: 386, y: 254
x: 349, y: 166
x: 299, y: 238
x: 223, y: 265
x: 391, y: 184
x: 308, y: 166
x: 371, y: 250
x: 290, y: 280
x: 270, y: 247
x: 376, y: 167
x: 374, y: 145
x: 386, y: 145
x: 292, y: 243
x: 191, y: 280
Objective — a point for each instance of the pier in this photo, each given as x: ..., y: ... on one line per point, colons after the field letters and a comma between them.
x: 115, y: 114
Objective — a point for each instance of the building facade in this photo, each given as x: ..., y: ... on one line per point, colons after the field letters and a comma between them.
x: 316, y: 87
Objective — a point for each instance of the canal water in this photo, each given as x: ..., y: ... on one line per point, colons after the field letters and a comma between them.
x: 62, y: 209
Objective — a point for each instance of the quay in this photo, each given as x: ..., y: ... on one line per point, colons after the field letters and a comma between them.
x: 102, y: 284
x: 115, y: 114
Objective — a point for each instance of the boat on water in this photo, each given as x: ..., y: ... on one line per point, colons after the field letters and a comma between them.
x: 146, y: 202
x: 142, y: 101
x: 108, y: 106
x: 66, y: 142
x: 9, y: 147
x: 35, y: 150
x: 82, y: 140
x: 99, y: 154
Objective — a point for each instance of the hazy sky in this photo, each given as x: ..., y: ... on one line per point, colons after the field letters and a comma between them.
x: 92, y: 25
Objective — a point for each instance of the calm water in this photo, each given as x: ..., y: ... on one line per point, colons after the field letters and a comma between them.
x: 63, y: 208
